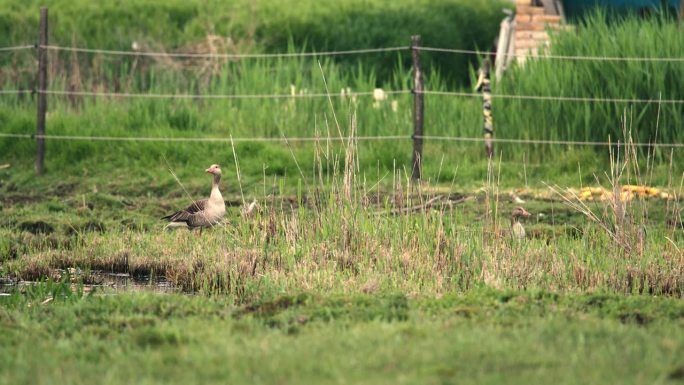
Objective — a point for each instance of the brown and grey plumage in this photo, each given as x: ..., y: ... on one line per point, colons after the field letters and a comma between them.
x: 203, y: 213
x: 517, y: 231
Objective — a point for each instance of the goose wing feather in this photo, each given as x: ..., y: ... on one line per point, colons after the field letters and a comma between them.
x: 188, y: 213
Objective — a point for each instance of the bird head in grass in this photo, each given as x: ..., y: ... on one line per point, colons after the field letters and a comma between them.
x: 517, y: 229
x: 214, y: 169
x: 520, y: 212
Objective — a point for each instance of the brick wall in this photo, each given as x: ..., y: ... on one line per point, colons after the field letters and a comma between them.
x: 531, y: 26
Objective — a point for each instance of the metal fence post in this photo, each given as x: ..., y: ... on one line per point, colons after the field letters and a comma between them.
x: 42, y: 86
x: 417, y: 159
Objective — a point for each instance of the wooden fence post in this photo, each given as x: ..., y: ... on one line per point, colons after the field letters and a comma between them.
x: 483, y: 84
x: 418, y: 110
x: 42, y: 86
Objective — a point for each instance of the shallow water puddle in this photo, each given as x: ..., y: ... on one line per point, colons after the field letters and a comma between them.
x: 100, y: 281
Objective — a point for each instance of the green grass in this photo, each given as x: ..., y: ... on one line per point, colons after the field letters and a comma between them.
x: 334, y: 235
x: 649, y: 122
x: 444, y: 116
x: 483, y: 337
x: 327, y: 283
x: 267, y: 26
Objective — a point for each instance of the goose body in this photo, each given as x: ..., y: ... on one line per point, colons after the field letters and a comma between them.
x: 517, y: 231
x: 203, y: 213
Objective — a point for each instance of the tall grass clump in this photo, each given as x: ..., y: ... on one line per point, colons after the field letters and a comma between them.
x: 248, y: 26
x: 628, y: 36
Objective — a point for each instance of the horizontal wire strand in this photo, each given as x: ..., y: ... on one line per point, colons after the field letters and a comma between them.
x: 16, y: 48
x: 556, y: 98
x: 329, y: 53
x: 551, y: 142
x: 364, y: 93
x: 224, y: 56
x: 346, y: 52
x: 215, y: 96
x: 557, y: 57
x: 177, y: 139
x: 345, y: 138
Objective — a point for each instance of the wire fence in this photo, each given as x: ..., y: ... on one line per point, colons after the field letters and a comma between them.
x: 13, y: 92
x: 342, y: 94
x: 557, y: 98
x: 17, y: 48
x: 547, y: 56
x: 225, y: 55
x: 209, y: 139
x: 345, y: 95
x: 555, y: 142
x: 535, y: 55
x: 219, y: 96
x: 561, y: 98
x: 284, y: 139
x: 281, y: 139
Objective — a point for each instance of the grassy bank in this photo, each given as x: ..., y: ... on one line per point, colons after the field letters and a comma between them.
x: 483, y: 337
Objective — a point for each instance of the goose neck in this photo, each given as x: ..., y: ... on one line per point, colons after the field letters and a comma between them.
x: 215, y: 181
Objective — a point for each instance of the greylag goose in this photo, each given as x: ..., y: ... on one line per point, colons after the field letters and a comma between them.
x: 517, y: 231
x: 205, y: 212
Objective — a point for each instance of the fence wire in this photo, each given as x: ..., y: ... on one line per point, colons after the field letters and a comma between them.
x: 551, y: 142
x: 331, y: 95
x: 557, y: 57
x: 348, y: 52
x: 16, y: 48
x: 557, y: 98
x: 336, y: 139
x: 218, y: 96
x: 350, y: 94
x: 206, y: 139
x: 332, y: 53
x: 224, y: 56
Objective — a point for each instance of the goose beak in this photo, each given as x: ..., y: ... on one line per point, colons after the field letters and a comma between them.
x: 209, y: 170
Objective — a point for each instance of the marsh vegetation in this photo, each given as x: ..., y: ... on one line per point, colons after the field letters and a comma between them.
x: 347, y: 270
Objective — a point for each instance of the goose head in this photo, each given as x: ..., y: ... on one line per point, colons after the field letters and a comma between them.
x: 214, y: 169
x: 519, y: 212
